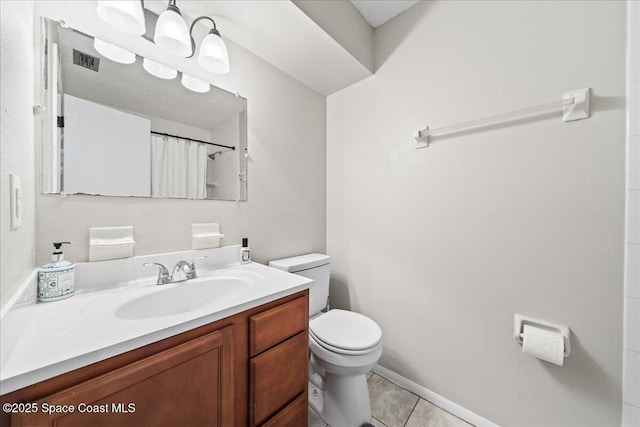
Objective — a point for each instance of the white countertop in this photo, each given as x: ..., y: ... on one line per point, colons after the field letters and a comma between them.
x: 61, y: 336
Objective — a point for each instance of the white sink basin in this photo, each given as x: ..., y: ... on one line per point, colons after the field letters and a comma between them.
x: 184, y: 297
x: 214, y: 290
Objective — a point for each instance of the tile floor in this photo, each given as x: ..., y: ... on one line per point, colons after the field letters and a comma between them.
x: 393, y: 406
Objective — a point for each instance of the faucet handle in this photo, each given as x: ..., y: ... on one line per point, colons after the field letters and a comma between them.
x: 192, y: 264
x: 163, y: 273
x: 198, y: 258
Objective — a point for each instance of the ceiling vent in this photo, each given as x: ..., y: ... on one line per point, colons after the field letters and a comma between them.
x: 85, y: 60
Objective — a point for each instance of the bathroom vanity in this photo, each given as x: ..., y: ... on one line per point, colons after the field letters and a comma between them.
x: 249, y: 369
x: 245, y: 368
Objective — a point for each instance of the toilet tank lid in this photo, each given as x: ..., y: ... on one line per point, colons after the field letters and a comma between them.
x: 301, y: 262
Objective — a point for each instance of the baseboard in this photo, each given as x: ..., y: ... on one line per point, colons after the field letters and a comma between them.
x: 435, y: 398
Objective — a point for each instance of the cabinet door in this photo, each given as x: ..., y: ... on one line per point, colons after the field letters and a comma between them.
x: 277, y: 377
x: 188, y: 385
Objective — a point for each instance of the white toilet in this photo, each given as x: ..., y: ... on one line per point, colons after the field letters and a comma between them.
x: 344, y: 347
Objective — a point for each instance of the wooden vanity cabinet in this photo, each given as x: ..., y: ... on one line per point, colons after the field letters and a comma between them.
x: 278, y: 369
x: 209, y: 376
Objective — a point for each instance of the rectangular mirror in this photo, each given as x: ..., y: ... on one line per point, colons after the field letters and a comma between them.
x: 114, y: 129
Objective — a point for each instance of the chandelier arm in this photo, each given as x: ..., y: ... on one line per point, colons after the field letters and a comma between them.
x: 199, y: 19
x: 193, y: 42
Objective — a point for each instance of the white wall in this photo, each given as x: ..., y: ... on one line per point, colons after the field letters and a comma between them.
x: 161, y: 125
x: 16, y: 142
x: 225, y: 169
x: 285, y: 213
x: 631, y: 357
x: 441, y: 246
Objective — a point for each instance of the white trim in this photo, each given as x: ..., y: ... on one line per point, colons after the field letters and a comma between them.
x: 432, y: 397
x: 18, y: 293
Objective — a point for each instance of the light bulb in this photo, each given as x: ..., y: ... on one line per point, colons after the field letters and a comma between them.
x: 126, y: 16
x: 172, y: 34
x: 194, y: 84
x: 213, y: 55
x: 113, y: 52
x: 159, y: 70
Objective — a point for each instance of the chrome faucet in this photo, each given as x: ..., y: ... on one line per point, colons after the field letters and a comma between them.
x: 163, y: 273
x: 182, y: 271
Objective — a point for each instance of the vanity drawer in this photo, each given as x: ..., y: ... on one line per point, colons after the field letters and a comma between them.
x: 277, y: 376
x: 295, y: 413
x: 276, y: 325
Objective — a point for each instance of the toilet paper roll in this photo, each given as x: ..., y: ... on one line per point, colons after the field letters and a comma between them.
x: 543, y: 344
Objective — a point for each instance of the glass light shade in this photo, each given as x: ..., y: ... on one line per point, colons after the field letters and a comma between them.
x: 159, y: 70
x: 213, y: 54
x: 194, y: 84
x: 113, y: 52
x: 172, y: 34
x: 126, y: 16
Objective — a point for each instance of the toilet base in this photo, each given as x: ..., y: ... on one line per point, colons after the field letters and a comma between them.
x: 316, y: 398
x: 344, y: 402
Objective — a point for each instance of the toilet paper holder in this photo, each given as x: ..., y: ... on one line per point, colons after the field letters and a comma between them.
x: 518, y: 329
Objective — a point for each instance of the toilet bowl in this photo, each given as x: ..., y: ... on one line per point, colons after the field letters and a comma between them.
x: 344, y: 347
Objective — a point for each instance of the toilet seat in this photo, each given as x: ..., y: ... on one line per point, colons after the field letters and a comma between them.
x: 343, y: 364
x: 345, y: 332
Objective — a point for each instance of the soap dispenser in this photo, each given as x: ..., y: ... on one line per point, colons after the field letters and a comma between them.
x: 56, y: 280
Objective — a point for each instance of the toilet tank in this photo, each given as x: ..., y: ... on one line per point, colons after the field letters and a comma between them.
x: 313, y: 266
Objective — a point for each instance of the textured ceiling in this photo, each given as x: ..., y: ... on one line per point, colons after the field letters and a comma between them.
x: 378, y: 12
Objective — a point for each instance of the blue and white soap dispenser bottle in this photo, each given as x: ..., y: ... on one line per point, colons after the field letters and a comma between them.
x: 56, y: 280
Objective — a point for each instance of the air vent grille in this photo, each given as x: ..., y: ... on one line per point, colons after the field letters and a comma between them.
x: 85, y: 60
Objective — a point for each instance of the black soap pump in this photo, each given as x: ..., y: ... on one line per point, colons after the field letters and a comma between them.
x: 245, y: 252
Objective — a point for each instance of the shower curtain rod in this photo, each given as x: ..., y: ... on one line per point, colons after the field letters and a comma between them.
x: 575, y: 106
x: 191, y: 139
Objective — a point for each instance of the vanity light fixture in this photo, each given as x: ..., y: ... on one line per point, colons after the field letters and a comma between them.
x: 171, y: 32
x: 213, y: 55
x: 126, y: 16
x: 159, y: 70
x: 194, y: 84
x: 113, y: 52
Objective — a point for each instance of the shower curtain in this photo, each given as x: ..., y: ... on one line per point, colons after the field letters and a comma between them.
x: 178, y: 168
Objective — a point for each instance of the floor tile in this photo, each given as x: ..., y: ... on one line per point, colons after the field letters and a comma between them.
x: 377, y: 423
x: 427, y: 415
x: 389, y: 403
x: 369, y: 375
x: 315, y: 420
